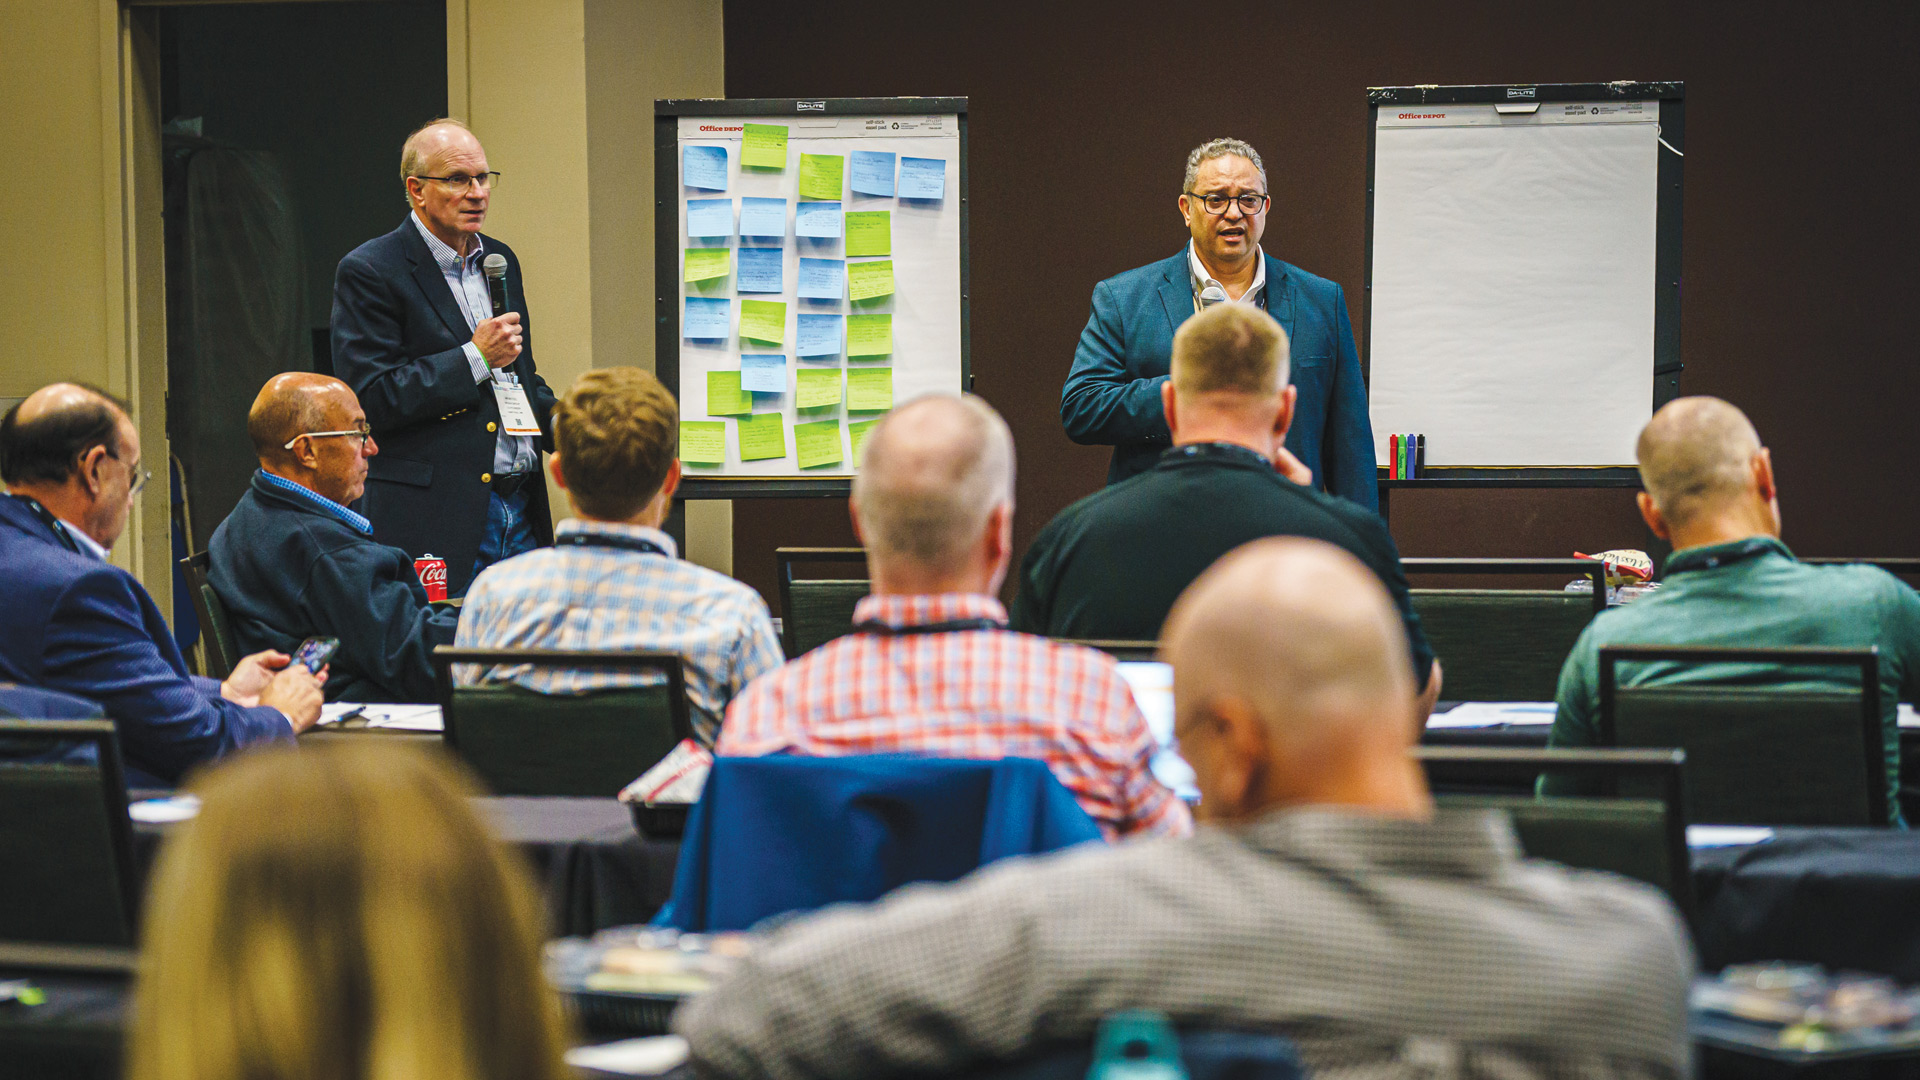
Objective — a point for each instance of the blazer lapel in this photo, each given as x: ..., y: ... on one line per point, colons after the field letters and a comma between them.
x: 433, y: 283
x: 1279, y: 294
x: 1176, y: 292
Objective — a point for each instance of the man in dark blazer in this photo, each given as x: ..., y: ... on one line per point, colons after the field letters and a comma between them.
x: 1112, y: 393
x: 415, y: 336
x: 80, y: 625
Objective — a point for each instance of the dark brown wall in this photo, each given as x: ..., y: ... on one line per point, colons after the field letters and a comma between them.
x: 1800, y: 209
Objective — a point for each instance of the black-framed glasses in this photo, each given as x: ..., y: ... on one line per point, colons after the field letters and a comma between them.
x: 485, y: 181
x: 361, y: 433
x: 1216, y: 203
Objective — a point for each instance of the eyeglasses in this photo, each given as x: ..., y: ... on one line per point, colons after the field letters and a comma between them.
x: 362, y: 433
x: 139, y: 476
x: 1216, y: 203
x: 461, y: 181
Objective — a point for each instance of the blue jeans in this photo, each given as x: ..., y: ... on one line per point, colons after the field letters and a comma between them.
x: 508, y: 532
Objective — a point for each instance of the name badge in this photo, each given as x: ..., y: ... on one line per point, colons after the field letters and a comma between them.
x: 516, y: 415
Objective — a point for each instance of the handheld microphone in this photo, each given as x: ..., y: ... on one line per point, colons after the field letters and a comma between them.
x: 495, y: 267
x: 1209, y: 296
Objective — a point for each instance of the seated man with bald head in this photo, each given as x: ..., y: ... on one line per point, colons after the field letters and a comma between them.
x: 931, y: 667
x: 1730, y: 581
x: 293, y: 562
x: 1323, y: 897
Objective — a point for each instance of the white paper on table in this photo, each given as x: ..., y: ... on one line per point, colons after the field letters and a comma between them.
x: 1908, y: 718
x: 1484, y: 714
x: 405, y: 717
x: 632, y: 1057
x: 1703, y: 836
x: 338, y: 711
x: 164, y: 811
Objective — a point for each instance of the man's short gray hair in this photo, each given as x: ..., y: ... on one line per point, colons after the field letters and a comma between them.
x: 1696, y: 453
x: 412, y: 160
x: 931, y: 473
x: 1219, y: 148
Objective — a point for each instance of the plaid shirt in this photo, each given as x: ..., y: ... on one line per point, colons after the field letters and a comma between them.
x: 964, y: 694
x: 605, y: 598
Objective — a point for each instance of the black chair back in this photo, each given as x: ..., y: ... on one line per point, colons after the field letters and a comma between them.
x: 523, y: 742
x: 219, y: 650
x: 1759, y: 755
x: 1119, y: 650
x: 814, y: 611
x: 68, y: 888
x: 1505, y: 644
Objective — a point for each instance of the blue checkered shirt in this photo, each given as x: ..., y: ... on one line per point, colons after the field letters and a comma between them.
x: 357, y: 522
x: 603, y: 598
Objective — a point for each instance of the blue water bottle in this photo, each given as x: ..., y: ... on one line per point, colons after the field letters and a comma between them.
x: 1136, y: 1045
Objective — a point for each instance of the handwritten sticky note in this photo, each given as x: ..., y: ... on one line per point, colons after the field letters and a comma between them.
x: 763, y: 436
x: 763, y: 374
x: 866, y: 280
x: 724, y: 396
x: 820, y: 220
x: 705, y: 264
x: 869, y: 232
x: 703, y: 442
x: 872, y: 172
x: 707, y: 319
x: 815, y: 387
x: 867, y: 335
x: 819, y: 335
x: 709, y: 217
x: 923, y: 178
x: 820, y: 175
x: 857, y: 432
x: 869, y: 389
x: 760, y: 270
x: 822, y: 279
x: 763, y: 146
x: 817, y: 444
x: 763, y: 217
x: 704, y: 167
x: 763, y: 320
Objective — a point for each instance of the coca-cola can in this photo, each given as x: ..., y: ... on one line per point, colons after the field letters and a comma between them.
x: 433, y: 575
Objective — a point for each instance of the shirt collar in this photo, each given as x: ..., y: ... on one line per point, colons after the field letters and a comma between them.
x: 447, y: 259
x: 1713, y: 556
x: 895, y: 610
x: 615, y: 528
x: 317, y: 501
x: 1201, y: 279
x: 1454, y: 843
x: 1225, y: 453
x: 87, y: 543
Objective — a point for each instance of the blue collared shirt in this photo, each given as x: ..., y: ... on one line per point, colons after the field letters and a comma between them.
x: 354, y: 521
x: 511, y: 453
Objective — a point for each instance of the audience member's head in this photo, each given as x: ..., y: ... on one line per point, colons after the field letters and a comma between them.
x: 616, y: 432
x: 75, y: 450
x: 310, y: 429
x: 1229, y: 379
x: 1292, y: 684
x: 341, y: 913
x: 1707, y: 478
x: 933, y: 499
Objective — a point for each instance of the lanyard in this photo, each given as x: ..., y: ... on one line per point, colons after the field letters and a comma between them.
x: 609, y: 540
x: 1740, y: 552
x: 1219, y: 450
x: 46, y: 518
x: 880, y: 629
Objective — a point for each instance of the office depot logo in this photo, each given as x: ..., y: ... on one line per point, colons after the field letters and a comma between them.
x: 721, y: 127
x: 1422, y: 116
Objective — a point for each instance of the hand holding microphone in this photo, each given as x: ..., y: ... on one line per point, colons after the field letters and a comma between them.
x: 498, y: 338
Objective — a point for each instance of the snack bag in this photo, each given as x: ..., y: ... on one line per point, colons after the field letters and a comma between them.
x: 1625, y: 566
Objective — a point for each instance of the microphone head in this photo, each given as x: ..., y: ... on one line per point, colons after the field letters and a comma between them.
x: 1209, y: 296
x: 496, y: 266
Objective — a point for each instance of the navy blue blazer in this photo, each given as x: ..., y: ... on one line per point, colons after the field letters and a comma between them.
x: 82, y: 626
x: 1112, y: 394
x: 397, y: 337
x: 287, y: 570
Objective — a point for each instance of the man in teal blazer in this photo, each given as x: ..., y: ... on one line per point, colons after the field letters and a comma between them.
x: 1112, y: 394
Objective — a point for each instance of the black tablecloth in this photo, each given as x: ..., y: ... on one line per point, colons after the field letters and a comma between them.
x: 76, y: 1035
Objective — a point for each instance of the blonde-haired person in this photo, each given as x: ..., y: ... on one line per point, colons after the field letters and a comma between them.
x: 342, y: 914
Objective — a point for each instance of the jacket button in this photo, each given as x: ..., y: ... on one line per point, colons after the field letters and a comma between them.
x: 491, y: 426
x: 486, y: 478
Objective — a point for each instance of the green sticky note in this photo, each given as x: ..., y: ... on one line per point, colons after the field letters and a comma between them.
x: 820, y: 176
x: 869, y: 335
x: 763, y: 146
x: 857, y: 431
x: 869, y: 232
x: 817, y: 444
x: 764, y: 320
x: 724, y: 396
x: 869, y: 389
x: 815, y: 387
x: 867, y: 280
x: 763, y: 436
x: 703, y: 442
x: 705, y: 264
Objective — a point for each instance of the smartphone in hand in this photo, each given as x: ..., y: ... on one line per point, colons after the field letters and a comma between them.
x: 315, y: 652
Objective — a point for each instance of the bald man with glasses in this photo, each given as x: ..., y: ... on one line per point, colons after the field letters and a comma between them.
x: 293, y: 561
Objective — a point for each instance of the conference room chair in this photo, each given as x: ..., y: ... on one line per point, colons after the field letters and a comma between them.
x: 1758, y: 754
x: 814, y: 611
x: 1636, y: 825
x: 1505, y: 644
x: 524, y: 742
x: 219, y: 652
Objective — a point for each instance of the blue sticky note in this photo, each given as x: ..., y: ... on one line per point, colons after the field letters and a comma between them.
x: 817, y: 219
x: 708, y: 319
x: 709, y: 217
x: 819, y: 335
x: 872, y: 172
x: 763, y: 374
x: 923, y: 178
x: 823, y: 279
x: 704, y: 167
x: 759, y: 270
x: 763, y: 217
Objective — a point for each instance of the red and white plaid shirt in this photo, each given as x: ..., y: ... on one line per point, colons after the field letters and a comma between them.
x: 975, y: 693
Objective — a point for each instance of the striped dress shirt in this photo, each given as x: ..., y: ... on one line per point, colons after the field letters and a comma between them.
x: 974, y: 693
